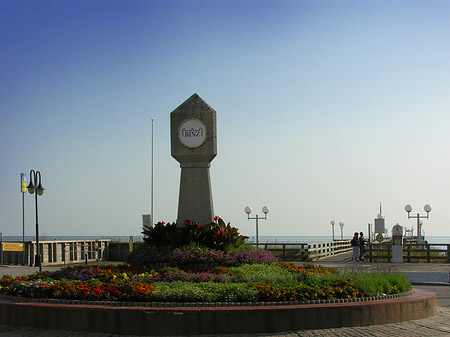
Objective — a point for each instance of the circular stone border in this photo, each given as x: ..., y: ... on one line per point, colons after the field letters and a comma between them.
x: 134, y: 319
x: 198, y: 304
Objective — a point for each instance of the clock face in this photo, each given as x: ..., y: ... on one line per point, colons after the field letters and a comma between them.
x: 192, y: 133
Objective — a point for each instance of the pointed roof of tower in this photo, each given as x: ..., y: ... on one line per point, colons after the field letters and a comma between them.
x: 193, y: 103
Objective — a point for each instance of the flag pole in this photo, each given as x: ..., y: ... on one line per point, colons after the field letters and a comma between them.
x: 152, y: 187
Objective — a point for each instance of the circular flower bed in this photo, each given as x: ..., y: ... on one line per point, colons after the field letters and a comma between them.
x: 194, y: 274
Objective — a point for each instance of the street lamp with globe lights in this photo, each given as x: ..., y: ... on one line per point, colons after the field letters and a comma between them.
x: 342, y: 229
x: 265, y: 210
x: 427, y: 208
x: 332, y: 228
x: 35, y: 187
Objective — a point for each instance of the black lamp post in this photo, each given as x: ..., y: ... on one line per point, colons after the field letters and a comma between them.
x: 36, y: 188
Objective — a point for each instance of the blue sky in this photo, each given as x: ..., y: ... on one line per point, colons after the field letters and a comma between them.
x: 324, y: 109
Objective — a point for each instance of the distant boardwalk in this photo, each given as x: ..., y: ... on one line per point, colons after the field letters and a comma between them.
x: 295, y: 251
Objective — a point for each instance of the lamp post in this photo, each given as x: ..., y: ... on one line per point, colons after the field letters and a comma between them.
x: 35, y: 187
x: 420, y: 229
x: 369, y: 230
x: 427, y: 209
x: 265, y: 210
x: 332, y: 228
x: 342, y: 229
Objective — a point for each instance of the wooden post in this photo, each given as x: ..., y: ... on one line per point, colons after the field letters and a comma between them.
x: 389, y: 251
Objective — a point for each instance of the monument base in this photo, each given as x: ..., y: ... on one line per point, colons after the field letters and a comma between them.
x: 195, y: 201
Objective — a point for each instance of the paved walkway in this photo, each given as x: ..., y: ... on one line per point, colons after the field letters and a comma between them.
x: 435, y: 326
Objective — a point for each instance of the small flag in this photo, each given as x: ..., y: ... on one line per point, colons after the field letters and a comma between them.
x: 23, y: 181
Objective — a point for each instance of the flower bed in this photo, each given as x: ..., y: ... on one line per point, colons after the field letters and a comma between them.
x: 198, y: 274
x: 194, y: 258
x: 244, y: 283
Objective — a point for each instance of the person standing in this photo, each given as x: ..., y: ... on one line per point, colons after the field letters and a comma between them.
x: 362, y: 246
x: 355, y: 245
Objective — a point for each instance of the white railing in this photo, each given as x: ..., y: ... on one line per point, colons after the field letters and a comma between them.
x: 60, y: 252
x: 324, y: 249
x: 303, y: 251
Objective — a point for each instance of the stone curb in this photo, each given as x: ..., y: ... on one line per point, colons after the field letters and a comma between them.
x: 198, y: 304
x: 443, y: 284
x: 119, y: 319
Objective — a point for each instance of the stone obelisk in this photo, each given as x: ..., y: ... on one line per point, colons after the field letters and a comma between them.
x: 193, y: 138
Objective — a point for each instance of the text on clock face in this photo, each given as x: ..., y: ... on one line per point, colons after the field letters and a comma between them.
x: 192, y: 132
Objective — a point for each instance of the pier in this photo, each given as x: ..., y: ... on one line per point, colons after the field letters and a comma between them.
x: 306, y: 251
x: 62, y: 252
x: 56, y: 252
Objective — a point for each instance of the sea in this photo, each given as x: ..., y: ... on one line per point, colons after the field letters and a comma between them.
x: 261, y: 239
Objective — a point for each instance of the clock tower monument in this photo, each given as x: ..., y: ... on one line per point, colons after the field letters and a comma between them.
x: 193, y: 141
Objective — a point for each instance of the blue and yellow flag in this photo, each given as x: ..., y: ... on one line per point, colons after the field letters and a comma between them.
x: 23, y: 181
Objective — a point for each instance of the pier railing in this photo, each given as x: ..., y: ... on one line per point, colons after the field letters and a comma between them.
x: 423, y: 252
x: 306, y: 251
x: 88, y: 251
x: 55, y: 252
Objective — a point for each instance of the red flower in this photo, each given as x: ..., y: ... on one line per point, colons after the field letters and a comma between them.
x: 186, y: 222
x: 222, y: 232
x: 216, y: 218
x: 215, y: 236
x: 200, y: 225
x: 163, y: 222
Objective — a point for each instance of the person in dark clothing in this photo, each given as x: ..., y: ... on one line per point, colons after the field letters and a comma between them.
x: 355, y: 245
x: 362, y: 246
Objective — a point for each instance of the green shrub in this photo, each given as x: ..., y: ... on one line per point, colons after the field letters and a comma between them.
x: 377, y: 284
x: 216, y: 235
x: 203, y: 292
x: 259, y: 272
